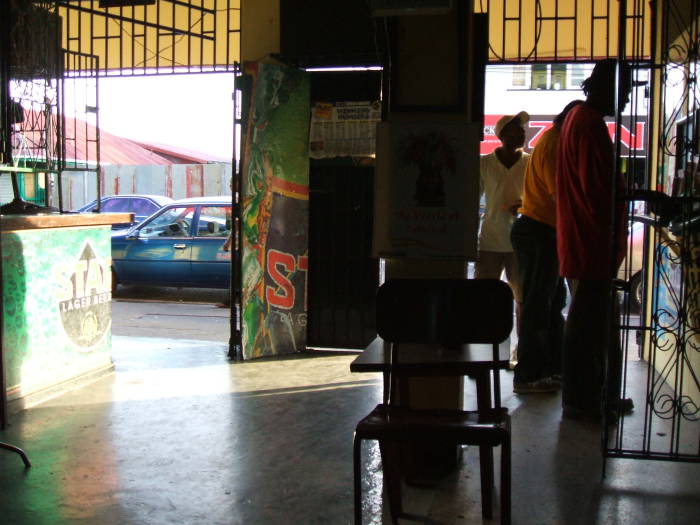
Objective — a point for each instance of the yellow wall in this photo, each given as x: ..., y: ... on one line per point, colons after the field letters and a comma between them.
x: 260, y: 28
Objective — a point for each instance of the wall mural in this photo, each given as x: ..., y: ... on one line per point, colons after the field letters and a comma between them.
x: 274, y: 203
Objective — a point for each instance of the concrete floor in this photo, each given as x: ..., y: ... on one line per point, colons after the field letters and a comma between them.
x: 180, y: 435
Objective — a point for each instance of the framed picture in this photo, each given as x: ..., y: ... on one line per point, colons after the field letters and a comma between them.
x: 426, y: 190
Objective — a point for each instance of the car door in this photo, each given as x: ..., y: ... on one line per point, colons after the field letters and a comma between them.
x: 159, y: 250
x: 211, y: 265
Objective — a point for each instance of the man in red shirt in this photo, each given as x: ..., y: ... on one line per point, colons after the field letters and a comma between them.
x: 587, y: 213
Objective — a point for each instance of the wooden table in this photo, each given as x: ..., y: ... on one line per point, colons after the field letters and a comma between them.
x: 474, y: 360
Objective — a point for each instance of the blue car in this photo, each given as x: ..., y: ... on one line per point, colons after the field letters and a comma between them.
x: 142, y: 206
x: 182, y: 244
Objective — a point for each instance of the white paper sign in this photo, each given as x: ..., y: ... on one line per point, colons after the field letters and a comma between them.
x: 427, y: 190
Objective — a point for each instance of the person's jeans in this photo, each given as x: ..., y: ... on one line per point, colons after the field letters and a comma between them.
x: 590, y: 336
x: 543, y: 297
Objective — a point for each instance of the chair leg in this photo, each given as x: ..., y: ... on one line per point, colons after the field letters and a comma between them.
x: 391, y: 462
x: 486, y: 469
x: 505, y: 480
x: 19, y: 451
x: 357, y: 478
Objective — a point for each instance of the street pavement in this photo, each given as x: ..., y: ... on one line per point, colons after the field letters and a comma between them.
x: 175, y: 313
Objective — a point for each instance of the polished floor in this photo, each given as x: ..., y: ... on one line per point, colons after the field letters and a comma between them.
x: 178, y: 435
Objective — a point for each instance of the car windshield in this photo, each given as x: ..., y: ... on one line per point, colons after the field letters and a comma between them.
x: 173, y: 222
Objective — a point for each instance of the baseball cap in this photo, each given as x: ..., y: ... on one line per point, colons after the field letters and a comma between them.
x: 521, y: 117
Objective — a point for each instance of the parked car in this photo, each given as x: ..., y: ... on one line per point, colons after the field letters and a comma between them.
x: 141, y: 206
x: 179, y: 245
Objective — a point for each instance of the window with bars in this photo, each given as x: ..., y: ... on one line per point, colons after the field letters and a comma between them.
x: 548, y: 76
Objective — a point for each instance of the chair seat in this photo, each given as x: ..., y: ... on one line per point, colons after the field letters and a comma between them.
x: 402, y: 423
x: 485, y: 428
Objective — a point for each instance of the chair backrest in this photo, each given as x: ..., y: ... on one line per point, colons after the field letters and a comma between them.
x: 444, y: 311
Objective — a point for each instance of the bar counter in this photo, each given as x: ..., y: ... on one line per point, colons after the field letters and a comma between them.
x: 57, y: 293
x: 65, y: 220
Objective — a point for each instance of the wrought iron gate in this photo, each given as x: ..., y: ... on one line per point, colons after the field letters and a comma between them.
x: 660, y: 339
x: 661, y: 342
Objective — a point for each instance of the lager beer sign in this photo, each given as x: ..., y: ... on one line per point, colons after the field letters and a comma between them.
x: 84, y: 297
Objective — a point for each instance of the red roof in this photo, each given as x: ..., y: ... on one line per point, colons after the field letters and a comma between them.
x: 81, y: 145
x: 182, y: 154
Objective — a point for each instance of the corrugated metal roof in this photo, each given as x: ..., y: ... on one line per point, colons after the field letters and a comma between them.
x: 182, y: 155
x: 81, y: 145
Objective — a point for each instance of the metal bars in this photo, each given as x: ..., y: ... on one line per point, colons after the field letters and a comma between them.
x: 170, y: 36
x: 663, y: 375
x: 661, y: 344
x: 559, y: 31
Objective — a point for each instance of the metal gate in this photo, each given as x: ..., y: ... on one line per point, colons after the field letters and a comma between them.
x: 661, y: 341
x: 660, y: 338
x: 343, y: 276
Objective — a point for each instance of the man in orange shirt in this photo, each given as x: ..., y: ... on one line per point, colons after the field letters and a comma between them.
x: 543, y: 292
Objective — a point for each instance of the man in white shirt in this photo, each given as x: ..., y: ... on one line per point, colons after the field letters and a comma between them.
x: 502, y: 173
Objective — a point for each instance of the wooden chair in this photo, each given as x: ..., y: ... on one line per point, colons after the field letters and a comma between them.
x: 449, y: 313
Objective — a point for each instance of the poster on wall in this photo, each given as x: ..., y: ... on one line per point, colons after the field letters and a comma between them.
x: 426, y: 190
x: 343, y: 129
x: 275, y: 209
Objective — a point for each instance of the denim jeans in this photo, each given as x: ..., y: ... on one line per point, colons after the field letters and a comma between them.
x: 543, y: 297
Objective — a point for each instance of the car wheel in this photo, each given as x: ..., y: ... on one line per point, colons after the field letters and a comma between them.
x: 635, y: 294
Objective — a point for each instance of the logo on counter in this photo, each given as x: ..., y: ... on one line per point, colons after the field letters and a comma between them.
x: 85, y: 297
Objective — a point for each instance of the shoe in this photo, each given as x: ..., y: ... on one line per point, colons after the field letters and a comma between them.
x: 540, y: 386
x: 513, y: 358
x: 579, y: 414
x: 622, y: 406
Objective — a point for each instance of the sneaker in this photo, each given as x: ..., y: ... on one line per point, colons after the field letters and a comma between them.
x: 540, y: 386
x: 513, y: 358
